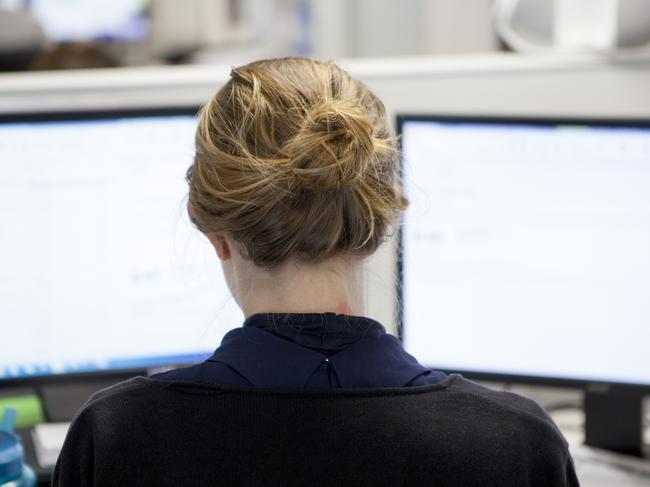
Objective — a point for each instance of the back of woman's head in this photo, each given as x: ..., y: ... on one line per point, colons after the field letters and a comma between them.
x: 295, y: 160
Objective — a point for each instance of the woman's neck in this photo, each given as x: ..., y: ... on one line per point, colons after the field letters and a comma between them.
x: 335, y: 285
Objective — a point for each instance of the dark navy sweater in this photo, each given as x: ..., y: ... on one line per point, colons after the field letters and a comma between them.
x: 311, y: 350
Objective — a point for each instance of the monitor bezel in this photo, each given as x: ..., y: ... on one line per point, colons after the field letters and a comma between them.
x: 89, y: 115
x: 492, y: 376
x: 97, y: 114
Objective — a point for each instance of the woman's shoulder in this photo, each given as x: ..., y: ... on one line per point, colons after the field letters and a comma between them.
x: 509, y: 402
x: 128, y: 388
x: 490, y: 409
x: 455, y: 427
x: 486, y: 412
x: 457, y: 408
x: 454, y: 390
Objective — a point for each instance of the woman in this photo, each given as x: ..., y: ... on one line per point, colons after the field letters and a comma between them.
x: 295, y: 182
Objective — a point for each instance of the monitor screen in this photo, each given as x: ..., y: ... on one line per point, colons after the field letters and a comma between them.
x: 100, y: 267
x: 526, y: 249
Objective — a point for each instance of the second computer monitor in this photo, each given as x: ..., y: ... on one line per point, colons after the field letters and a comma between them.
x: 526, y: 249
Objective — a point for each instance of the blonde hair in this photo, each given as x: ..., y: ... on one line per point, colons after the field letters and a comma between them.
x: 295, y: 160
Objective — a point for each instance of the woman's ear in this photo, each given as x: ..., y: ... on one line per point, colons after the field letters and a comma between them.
x: 221, y: 245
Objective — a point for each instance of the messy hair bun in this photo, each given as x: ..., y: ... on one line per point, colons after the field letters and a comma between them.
x: 334, y: 147
x: 295, y: 160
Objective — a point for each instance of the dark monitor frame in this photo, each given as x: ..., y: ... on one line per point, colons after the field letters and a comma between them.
x: 96, y: 114
x: 613, y: 409
x: 50, y: 384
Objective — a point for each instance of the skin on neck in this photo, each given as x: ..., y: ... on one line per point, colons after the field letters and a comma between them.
x: 334, y: 285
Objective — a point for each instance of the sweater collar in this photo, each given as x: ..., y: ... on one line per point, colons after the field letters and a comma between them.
x: 327, y: 333
x: 285, y: 350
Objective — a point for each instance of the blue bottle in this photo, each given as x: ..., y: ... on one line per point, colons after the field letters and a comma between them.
x: 13, y: 472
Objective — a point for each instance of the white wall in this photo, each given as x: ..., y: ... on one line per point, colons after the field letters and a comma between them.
x: 495, y: 84
x: 363, y: 28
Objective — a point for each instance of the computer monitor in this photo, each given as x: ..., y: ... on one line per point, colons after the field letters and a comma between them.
x: 526, y: 257
x: 100, y: 267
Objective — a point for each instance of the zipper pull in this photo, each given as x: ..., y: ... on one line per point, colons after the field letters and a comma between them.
x: 327, y: 365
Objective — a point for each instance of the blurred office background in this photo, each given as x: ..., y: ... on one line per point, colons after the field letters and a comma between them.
x: 51, y: 34
x: 41, y: 34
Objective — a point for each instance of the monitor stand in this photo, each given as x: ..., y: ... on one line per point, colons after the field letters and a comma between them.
x: 614, y: 418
